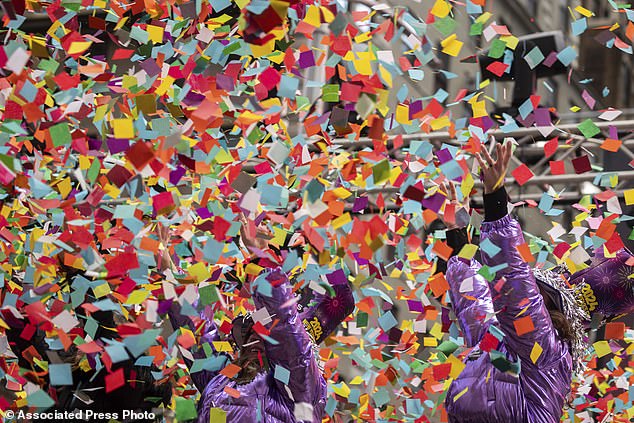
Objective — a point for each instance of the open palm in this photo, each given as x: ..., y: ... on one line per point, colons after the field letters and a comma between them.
x: 494, y: 171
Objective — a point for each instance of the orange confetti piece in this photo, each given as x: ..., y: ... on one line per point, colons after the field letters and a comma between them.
x: 524, y: 325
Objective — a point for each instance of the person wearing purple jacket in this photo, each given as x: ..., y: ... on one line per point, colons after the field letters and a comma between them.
x: 279, y: 378
x: 521, y: 372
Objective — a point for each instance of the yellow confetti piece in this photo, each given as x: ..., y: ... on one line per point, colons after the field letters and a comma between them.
x: 78, y: 47
x: 123, y: 128
x: 441, y: 122
x: 441, y: 9
x: 602, y: 348
x: 457, y: 366
x: 279, y: 236
x: 485, y: 83
x: 129, y: 81
x: 53, y: 29
x: 217, y: 415
x: 328, y: 15
x: 341, y: 220
x: 385, y: 75
x: 341, y: 192
x: 199, y: 271
x: 436, y: 330
x: 467, y: 185
x: 468, y: 251
x: 363, y: 37
x: 387, y: 286
x: 253, y: 269
x: 101, y: 290
x: 84, y: 162
x: 461, y: 393
x: 358, y: 380
x: 137, y: 296
x: 395, y: 172
x: 155, y: 33
x: 223, y: 157
x: 510, y: 40
x: 222, y: 346
x: 313, y: 16
x: 583, y: 11
x: 536, y: 352
x: 65, y: 186
x: 451, y: 45
x: 343, y: 390
x: 402, y: 114
x: 271, y: 102
x: 484, y: 17
x: 165, y: 85
x: 429, y: 341
x: 364, y: 64
x: 479, y: 109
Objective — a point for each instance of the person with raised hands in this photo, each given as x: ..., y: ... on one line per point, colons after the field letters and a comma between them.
x: 523, y: 343
x: 274, y: 374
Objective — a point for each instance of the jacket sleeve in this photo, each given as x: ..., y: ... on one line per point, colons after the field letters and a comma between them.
x: 209, y: 334
x: 521, y: 311
x: 456, y: 239
x: 473, y: 307
x: 291, y: 348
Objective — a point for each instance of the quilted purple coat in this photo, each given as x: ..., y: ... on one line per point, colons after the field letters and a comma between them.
x: 266, y: 399
x: 482, y: 393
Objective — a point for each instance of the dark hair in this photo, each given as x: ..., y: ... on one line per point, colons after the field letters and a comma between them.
x: 248, y: 359
x: 249, y: 364
x: 563, y: 326
x: 560, y: 322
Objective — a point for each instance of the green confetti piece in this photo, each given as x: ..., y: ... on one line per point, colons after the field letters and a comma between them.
x: 60, y: 134
x: 497, y: 48
x: 381, y: 171
x: 446, y: 26
x: 93, y: 170
x: 486, y: 273
x: 208, y: 295
x: 588, y: 128
x: 362, y: 318
x: 185, y: 409
x: 330, y: 93
x: 447, y: 347
x: 476, y: 29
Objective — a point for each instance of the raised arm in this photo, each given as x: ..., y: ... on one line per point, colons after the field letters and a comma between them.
x: 469, y: 291
x: 471, y: 299
x: 291, y: 348
x: 517, y: 300
x: 202, y: 368
x: 520, y: 306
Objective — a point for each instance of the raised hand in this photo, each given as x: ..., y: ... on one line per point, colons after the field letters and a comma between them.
x: 494, y: 171
x: 252, y: 237
x: 163, y: 256
x: 456, y: 212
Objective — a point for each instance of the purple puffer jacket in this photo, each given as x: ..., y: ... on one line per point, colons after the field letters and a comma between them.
x: 267, y: 399
x: 482, y: 393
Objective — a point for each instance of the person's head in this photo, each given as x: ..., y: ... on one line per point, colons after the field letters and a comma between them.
x: 251, y: 354
x: 560, y: 322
